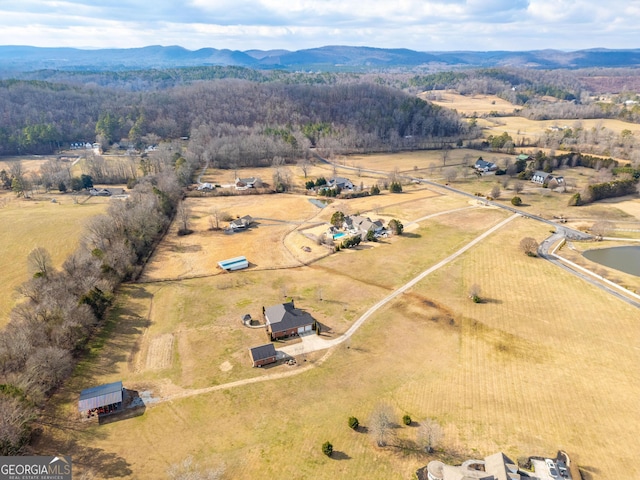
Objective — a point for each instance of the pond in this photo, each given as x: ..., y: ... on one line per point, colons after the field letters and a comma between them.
x: 319, y: 203
x: 625, y: 259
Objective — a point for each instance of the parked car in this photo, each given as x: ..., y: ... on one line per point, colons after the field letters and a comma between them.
x: 552, y: 468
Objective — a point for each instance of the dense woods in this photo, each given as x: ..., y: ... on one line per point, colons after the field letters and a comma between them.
x: 233, y: 121
x: 239, y: 116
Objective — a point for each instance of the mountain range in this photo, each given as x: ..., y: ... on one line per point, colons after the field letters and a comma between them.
x: 328, y: 58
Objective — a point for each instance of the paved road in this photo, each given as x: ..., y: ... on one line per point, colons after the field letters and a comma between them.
x: 543, y: 252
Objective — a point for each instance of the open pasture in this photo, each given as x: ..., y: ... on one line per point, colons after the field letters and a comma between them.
x: 314, y: 169
x: 470, y: 104
x: 197, y: 254
x: 549, y: 203
x: 520, y: 127
x: 419, y: 163
x: 546, y: 361
x: 285, y: 231
x: 33, y: 223
x: 28, y: 163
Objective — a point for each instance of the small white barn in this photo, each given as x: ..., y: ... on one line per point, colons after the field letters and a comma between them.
x: 236, y: 263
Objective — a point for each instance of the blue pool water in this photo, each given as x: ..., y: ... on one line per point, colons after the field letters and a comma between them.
x: 338, y: 235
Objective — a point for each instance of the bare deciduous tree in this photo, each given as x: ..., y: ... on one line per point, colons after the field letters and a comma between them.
x: 184, y: 218
x: 304, y: 166
x: 39, y: 261
x: 446, y: 150
x: 495, y: 191
x: 474, y: 292
x: 518, y: 187
x: 602, y: 228
x: 381, y: 424
x: 450, y: 174
x: 429, y: 435
x: 215, y: 217
x: 15, y: 417
x: 529, y: 246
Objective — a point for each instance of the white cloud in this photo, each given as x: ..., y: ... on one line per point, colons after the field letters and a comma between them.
x: 246, y: 24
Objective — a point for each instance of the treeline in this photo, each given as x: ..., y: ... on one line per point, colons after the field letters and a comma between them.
x: 162, y: 79
x: 61, y: 309
x: 244, y: 121
x: 56, y: 173
x: 600, y: 191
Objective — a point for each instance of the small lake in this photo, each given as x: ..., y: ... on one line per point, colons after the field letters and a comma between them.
x: 625, y: 259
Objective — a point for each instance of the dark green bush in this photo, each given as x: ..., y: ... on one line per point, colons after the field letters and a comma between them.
x: 353, y: 423
x: 327, y: 449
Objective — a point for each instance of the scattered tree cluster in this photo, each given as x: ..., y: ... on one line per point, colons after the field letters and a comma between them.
x: 395, y: 187
x: 351, y: 242
x: 382, y: 425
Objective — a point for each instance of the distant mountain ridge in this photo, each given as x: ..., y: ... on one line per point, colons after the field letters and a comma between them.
x: 328, y: 58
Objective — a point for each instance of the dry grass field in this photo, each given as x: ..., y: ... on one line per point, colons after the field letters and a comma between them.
x: 37, y: 222
x: 471, y: 104
x: 262, y: 244
x: 546, y: 361
x: 418, y: 163
x: 518, y: 127
x: 28, y: 163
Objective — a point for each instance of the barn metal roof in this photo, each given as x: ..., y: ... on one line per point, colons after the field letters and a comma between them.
x: 100, y: 396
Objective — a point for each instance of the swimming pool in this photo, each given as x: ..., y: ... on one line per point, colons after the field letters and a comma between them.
x: 338, y: 235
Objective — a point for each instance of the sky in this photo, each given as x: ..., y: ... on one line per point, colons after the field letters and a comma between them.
x: 427, y: 25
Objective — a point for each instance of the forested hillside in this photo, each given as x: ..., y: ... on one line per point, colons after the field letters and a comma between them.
x: 234, y: 121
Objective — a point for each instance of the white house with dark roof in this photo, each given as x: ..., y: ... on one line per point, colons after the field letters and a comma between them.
x: 544, y: 178
x: 358, y: 224
x: 340, y: 182
x: 484, y: 166
x: 284, y: 320
x: 246, y: 183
